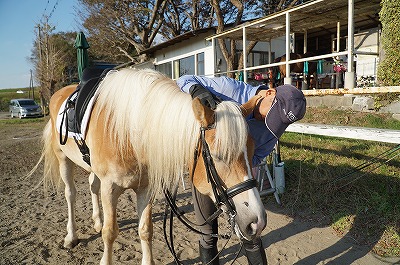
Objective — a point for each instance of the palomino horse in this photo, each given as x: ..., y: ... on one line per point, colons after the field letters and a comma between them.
x: 279, y: 72
x: 142, y: 134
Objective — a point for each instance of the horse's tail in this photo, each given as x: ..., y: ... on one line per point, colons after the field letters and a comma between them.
x: 51, y: 172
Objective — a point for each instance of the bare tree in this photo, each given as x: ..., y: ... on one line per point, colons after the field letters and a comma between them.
x: 120, y: 30
x: 231, y: 10
x: 51, y: 56
x: 125, y: 25
x: 272, y: 6
x: 124, y: 28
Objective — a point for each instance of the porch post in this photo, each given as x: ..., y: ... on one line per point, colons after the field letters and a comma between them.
x: 304, y: 85
x: 287, y: 79
x: 269, y: 52
x: 337, y: 75
x: 349, y: 77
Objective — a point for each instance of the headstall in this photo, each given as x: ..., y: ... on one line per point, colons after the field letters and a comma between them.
x: 223, y: 196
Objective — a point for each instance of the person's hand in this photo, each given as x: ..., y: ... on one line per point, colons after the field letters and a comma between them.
x: 205, y: 96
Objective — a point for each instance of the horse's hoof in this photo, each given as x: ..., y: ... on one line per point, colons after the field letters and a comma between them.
x: 98, y: 227
x: 70, y: 244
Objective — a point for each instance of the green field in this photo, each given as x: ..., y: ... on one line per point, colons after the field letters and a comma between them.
x: 7, y: 94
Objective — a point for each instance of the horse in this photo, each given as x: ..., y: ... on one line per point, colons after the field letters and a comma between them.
x: 142, y: 134
x: 279, y: 72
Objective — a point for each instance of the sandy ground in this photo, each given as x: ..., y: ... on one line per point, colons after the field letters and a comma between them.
x: 33, y: 226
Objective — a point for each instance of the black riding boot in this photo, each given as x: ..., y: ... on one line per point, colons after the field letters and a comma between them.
x: 209, y: 256
x: 255, y: 252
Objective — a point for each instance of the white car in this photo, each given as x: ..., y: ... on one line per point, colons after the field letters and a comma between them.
x: 23, y: 108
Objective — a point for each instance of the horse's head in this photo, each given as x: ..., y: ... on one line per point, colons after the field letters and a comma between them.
x: 224, y: 152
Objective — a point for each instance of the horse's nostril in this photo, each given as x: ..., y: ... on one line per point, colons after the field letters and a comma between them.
x: 251, y: 229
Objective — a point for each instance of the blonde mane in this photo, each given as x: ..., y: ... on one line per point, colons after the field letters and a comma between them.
x: 148, y: 115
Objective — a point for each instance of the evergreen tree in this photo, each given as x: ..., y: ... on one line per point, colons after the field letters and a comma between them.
x: 389, y: 67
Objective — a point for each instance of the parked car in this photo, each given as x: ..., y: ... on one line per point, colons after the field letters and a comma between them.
x: 23, y: 108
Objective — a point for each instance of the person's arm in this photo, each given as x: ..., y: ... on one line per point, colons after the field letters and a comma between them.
x: 224, y: 88
x: 232, y: 89
x: 185, y: 82
x: 194, y: 86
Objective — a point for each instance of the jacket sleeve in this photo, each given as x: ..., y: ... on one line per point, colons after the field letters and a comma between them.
x: 185, y: 82
x: 223, y: 87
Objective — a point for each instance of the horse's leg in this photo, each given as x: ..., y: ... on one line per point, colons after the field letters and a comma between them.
x: 66, y: 172
x: 109, y: 198
x: 145, y: 226
x: 94, y: 182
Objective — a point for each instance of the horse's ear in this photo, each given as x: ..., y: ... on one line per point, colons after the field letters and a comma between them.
x: 203, y: 114
x: 249, y: 106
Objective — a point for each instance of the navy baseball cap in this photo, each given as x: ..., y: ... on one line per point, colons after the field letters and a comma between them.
x: 289, y: 105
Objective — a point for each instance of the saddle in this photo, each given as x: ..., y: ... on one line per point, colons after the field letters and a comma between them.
x: 76, y: 105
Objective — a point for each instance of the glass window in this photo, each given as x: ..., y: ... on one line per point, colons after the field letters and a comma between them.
x: 27, y: 102
x: 184, y: 66
x: 200, y: 63
x: 165, y: 68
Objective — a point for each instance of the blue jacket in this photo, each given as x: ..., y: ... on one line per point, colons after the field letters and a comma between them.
x: 230, y: 89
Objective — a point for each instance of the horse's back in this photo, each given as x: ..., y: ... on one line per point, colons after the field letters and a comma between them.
x: 59, y: 97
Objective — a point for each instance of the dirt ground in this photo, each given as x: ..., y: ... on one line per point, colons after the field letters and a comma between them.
x: 33, y: 226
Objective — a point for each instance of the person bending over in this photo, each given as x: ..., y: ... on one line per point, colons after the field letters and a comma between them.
x: 269, y: 113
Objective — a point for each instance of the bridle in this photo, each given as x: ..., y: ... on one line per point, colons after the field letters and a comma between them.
x: 223, y: 196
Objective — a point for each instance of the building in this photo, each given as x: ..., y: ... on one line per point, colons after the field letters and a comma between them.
x: 329, y: 31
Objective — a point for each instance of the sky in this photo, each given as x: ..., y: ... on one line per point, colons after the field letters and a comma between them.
x: 17, y: 33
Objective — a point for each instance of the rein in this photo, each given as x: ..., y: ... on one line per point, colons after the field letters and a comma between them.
x: 223, y: 196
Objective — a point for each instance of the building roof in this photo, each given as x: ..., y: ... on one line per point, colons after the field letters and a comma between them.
x: 319, y: 17
x: 173, y: 41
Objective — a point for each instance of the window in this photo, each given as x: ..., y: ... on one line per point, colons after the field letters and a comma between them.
x: 191, y: 65
x: 165, y: 68
x: 184, y: 66
x: 200, y: 63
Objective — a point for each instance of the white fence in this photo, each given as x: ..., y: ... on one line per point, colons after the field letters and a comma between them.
x: 361, y: 133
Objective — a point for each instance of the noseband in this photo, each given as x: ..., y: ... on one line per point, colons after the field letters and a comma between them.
x: 223, y: 196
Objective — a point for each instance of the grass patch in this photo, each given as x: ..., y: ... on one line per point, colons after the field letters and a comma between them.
x: 21, y: 121
x: 342, y: 223
x: 7, y: 94
x: 347, y: 117
x: 388, y: 245
x: 364, y: 205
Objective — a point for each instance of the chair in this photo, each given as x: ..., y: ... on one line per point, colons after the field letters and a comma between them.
x: 272, y: 163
